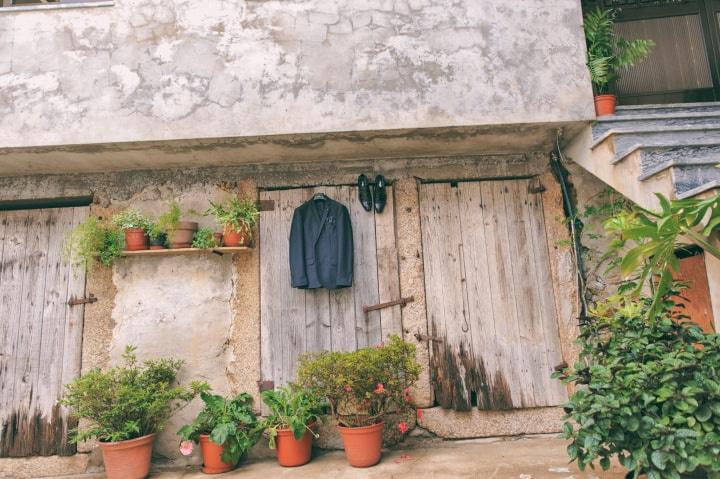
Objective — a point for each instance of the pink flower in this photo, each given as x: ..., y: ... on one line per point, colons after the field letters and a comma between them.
x: 381, y: 345
x: 347, y: 388
x: 403, y: 427
x: 419, y: 414
x: 186, y: 448
x: 379, y: 389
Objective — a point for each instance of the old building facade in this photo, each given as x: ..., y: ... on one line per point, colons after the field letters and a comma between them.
x: 111, y: 104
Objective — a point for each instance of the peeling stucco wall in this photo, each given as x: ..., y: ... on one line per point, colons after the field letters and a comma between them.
x: 156, y: 70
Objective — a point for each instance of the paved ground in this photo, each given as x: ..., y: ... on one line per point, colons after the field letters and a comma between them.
x: 527, y: 458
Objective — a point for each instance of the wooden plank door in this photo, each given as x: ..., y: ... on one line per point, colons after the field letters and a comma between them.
x: 696, y: 299
x: 40, y: 334
x: 294, y: 321
x: 489, y: 294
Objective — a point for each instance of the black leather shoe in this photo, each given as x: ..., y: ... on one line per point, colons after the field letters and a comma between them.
x: 364, y: 192
x: 379, y: 193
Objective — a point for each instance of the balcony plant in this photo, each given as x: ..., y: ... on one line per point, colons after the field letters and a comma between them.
x: 294, y: 412
x: 226, y: 429
x: 608, y: 55
x: 238, y: 218
x: 127, y: 406
x: 362, y: 389
x: 157, y: 236
x: 135, y: 226
x: 93, y: 241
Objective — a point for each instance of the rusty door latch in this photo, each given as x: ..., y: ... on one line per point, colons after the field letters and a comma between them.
x: 401, y: 302
x: 77, y: 301
x: 424, y: 338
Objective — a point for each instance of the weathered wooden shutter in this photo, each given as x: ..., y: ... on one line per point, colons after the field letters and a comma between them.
x: 489, y: 294
x: 40, y: 334
x: 294, y: 321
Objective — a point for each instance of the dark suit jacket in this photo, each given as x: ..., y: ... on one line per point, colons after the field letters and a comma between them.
x: 321, y: 246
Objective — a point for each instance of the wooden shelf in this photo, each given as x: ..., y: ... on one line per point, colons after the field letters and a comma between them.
x: 169, y: 252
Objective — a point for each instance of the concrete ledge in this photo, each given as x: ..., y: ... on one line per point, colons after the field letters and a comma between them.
x: 450, y: 424
x: 37, y: 466
x: 57, y: 6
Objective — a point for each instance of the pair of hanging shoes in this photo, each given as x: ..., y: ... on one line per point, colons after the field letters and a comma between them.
x: 376, y: 198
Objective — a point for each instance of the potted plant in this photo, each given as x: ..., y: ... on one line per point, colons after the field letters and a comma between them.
x: 135, y: 226
x: 179, y: 233
x: 93, y: 241
x: 608, y: 55
x: 293, y: 415
x: 237, y: 217
x: 226, y: 429
x: 127, y: 405
x: 362, y: 388
x: 157, y: 236
x: 205, y: 239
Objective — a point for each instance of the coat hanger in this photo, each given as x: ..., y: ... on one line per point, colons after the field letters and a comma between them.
x: 319, y: 197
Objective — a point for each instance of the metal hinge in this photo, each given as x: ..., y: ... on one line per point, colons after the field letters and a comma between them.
x: 77, y: 301
x: 266, y: 385
x: 424, y: 338
x: 401, y: 302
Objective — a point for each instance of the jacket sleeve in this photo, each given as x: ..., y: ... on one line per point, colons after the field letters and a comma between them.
x: 298, y: 273
x: 345, y: 250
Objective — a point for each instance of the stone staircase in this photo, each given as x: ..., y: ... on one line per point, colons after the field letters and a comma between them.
x: 672, y: 149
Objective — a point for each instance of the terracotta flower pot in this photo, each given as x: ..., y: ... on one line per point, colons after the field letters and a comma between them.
x: 292, y: 452
x: 211, y: 452
x: 128, y: 459
x: 135, y: 239
x: 362, y: 444
x: 183, y: 235
x: 605, y: 105
x: 159, y: 242
x: 235, y: 238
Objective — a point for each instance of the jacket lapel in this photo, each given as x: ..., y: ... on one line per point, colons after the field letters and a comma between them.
x: 321, y: 216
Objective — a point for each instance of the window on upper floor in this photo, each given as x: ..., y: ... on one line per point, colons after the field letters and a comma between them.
x: 32, y: 3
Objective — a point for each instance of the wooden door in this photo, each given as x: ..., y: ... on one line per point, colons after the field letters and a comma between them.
x: 696, y: 299
x: 489, y: 294
x: 40, y: 334
x: 294, y: 321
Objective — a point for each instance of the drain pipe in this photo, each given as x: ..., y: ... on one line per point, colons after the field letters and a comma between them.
x: 575, y: 224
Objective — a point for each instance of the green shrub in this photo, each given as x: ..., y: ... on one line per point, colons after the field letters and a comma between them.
x: 130, y: 218
x: 204, y: 238
x: 91, y: 241
x: 363, y: 386
x: 240, y: 214
x: 229, y: 422
x: 648, y: 392
x: 167, y: 222
x: 293, y: 408
x: 128, y: 401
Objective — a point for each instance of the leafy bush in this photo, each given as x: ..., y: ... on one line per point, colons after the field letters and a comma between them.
x: 130, y: 218
x: 608, y: 53
x: 128, y: 401
x: 363, y: 386
x: 648, y: 392
x: 229, y: 422
x: 291, y: 408
x: 240, y: 214
x: 167, y: 222
x: 91, y: 241
x: 204, y: 238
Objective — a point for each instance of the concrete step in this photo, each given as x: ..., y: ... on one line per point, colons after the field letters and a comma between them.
x: 708, y: 189
x: 626, y: 142
x: 654, y: 160
x: 649, y: 122
x: 695, y: 179
x: 674, y: 108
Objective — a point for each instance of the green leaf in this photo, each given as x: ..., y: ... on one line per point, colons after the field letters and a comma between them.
x: 659, y: 458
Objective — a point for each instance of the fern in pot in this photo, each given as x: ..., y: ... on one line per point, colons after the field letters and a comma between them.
x: 291, y: 424
x: 93, y: 242
x: 127, y: 406
x: 226, y: 429
x: 608, y: 55
x: 238, y: 217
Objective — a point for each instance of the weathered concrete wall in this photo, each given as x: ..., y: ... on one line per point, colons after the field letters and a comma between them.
x: 154, y: 70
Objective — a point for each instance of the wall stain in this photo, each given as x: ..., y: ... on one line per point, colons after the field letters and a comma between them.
x: 25, y: 434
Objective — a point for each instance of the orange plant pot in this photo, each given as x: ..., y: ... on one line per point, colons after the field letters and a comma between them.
x: 128, y: 459
x: 211, y: 452
x: 605, y: 105
x: 183, y: 235
x: 235, y: 238
x: 135, y: 239
x: 292, y: 452
x: 362, y: 444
